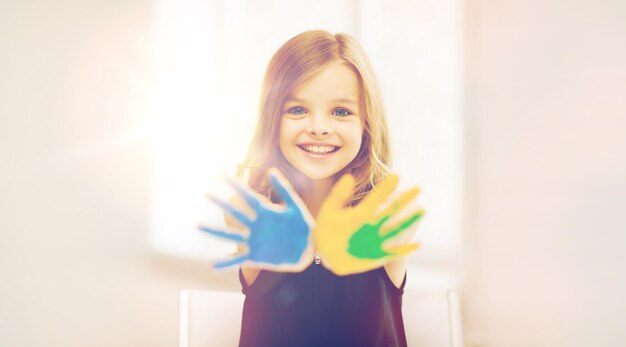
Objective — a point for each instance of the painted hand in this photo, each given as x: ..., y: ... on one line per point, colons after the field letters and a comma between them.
x: 279, y: 238
x: 350, y: 239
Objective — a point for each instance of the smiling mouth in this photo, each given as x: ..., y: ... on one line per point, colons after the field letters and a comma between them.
x: 322, y: 150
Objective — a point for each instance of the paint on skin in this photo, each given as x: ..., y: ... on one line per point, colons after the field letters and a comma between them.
x: 348, y: 237
x: 276, y: 237
x: 367, y: 242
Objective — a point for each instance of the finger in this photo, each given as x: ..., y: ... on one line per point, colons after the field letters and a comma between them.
x: 224, y: 234
x: 238, y: 214
x: 396, y: 228
x: 284, y: 189
x: 242, y: 190
x: 399, y: 203
x: 379, y: 194
x: 340, y: 193
x: 230, y: 262
x: 381, y: 221
x: 402, y: 250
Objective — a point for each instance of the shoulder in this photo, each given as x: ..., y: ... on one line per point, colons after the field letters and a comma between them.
x: 396, y: 271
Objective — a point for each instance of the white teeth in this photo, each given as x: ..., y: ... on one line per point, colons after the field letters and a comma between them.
x: 319, y: 149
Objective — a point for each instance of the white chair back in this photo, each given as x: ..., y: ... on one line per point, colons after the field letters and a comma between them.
x: 432, y: 318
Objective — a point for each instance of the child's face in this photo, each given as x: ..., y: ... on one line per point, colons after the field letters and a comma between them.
x: 321, y: 123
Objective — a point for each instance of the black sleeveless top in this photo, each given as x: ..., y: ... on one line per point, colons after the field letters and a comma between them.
x: 318, y: 308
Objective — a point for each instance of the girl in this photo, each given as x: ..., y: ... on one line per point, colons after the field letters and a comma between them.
x: 321, y: 117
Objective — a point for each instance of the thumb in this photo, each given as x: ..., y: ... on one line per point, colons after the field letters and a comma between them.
x: 339, y: 194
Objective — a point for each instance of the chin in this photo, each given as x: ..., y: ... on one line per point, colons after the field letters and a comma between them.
x: 318, y: 174
x: 320, y: 177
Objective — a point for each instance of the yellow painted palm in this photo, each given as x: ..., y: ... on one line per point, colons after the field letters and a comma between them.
x: 351, y: 239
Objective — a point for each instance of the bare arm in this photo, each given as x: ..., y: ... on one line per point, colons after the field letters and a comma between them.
x: 397, y: 268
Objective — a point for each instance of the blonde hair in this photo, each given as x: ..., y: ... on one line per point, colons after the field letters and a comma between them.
x: 298, y: 59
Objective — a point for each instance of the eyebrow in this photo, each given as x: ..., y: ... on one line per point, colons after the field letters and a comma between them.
x: 340, y: 100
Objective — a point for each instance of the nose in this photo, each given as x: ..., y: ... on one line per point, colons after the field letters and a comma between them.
x: 319, y: 126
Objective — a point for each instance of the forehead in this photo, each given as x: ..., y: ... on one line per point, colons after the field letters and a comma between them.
x: 336, y: 82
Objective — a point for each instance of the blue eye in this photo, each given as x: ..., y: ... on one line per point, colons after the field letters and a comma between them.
x: 342, y: 112
x: 296, y: 110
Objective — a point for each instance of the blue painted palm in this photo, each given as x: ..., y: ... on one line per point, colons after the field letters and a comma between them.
x: 279, y: 236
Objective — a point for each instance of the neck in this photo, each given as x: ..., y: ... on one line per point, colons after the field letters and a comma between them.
x: 317, y: 191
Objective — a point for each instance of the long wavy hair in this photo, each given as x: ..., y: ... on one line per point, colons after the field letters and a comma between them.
x: 298, y: 59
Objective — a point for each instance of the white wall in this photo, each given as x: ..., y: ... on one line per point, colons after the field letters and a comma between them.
x: 546, y: 156
x: 75, y: 265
